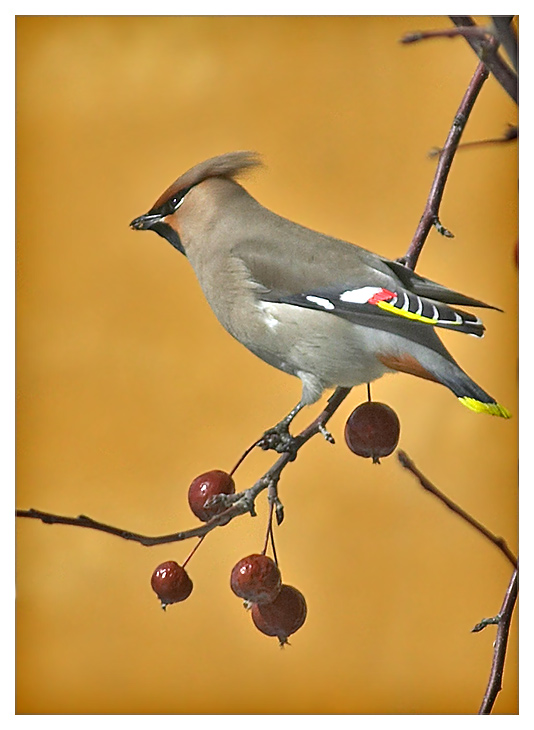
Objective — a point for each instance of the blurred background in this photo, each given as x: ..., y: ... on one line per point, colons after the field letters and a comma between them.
x: 127, y: 387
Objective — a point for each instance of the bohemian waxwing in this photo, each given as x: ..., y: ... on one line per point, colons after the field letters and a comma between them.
x: 325, y: 310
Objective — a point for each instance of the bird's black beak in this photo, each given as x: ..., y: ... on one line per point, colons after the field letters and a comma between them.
x: 144, y: 222
x: 154, y: 222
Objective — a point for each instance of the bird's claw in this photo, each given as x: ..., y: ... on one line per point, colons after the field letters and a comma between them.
x: 279, y: 439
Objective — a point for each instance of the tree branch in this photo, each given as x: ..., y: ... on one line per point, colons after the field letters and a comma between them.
x: 485, y: 44
x: 474, y: 31
x: 430, y: 215
x: 486, y: 50
x: 504, y: 617
x: 499, y: 648
x: 499, y: 542
x: 510, y: 135
x: 238, y: 504
x: 244, y: 501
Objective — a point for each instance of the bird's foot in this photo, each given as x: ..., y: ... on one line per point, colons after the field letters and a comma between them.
x: 279, y: 439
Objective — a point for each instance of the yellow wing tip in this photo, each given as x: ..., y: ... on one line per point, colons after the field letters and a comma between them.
x: 493, y: 409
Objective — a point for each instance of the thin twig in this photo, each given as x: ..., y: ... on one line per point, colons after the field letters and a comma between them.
x: 485, y: 42
x: 504, y: 616
x: 430, y: 215
x: 240, y: 503
x: 485, y: 45
x: 499, y: 648
x: 499, y: 542
x: 84, y: 521
x: 474, y: 31
x: 244, y: 502
x: 510, y: 135
x: 486, y: 50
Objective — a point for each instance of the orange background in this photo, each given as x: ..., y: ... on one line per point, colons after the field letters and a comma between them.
x: 127, y: 387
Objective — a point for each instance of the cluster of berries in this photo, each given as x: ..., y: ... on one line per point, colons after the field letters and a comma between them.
x: 277, y: 609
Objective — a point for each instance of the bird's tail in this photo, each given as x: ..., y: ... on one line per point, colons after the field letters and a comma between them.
x: 491, y: 406
x: 467, y: 391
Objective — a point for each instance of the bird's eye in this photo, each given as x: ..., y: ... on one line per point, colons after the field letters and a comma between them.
x: 178, y: 200
x: 172, y: 205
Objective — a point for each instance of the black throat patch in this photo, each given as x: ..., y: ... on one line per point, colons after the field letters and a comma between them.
x: 165, y: 231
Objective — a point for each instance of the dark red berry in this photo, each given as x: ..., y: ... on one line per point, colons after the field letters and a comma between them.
x: 209, y: 485
x: 281, y: 618
x: 372, y: 430
x: 256, y: 578
x: 171, y: 583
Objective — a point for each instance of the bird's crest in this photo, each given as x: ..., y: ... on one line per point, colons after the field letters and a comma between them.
x: 229, y: 165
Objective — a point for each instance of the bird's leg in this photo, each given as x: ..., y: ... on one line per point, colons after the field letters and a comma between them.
x: 278, y: 437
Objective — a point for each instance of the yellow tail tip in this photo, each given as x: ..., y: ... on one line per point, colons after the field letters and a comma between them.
x: 494, y: 409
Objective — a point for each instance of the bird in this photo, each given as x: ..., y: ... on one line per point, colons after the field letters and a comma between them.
x: 324, y: 310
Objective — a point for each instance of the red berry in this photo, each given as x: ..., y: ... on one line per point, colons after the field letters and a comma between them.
x: 205, y: 486
x: 256, y: 578
x: 171, y: 583
x: 372, y: 430
x: 281, y: 618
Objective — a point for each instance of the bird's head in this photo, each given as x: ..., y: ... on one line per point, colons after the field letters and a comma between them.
x: 165, y: 216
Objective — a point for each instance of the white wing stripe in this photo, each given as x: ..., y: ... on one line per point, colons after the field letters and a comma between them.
x: 359, y: 296
x: 320, y: 301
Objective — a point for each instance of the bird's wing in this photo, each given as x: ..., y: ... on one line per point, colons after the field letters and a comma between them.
x: 368, y: 305
x: 353, y: 283
x: 430, y: 289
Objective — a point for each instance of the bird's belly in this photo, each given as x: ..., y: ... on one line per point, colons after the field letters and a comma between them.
x: 303, y: 341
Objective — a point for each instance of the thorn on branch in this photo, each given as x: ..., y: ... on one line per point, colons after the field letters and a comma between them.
x: 440, y: 228
x: 326, y: 434
x: 486, y: 622
x: 274, y: 501
x: 279, y: 511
